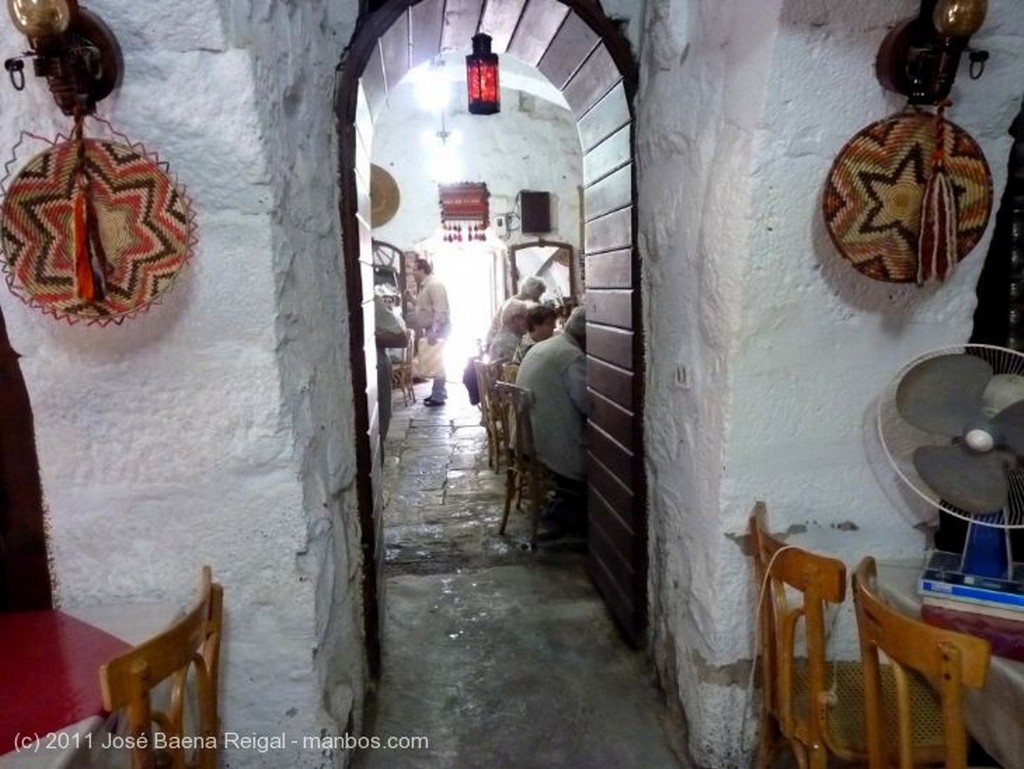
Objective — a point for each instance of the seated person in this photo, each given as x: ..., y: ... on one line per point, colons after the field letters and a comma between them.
x: 531, y: 291
x: 556, y: 372
x: 540, y: 325
x: 389, y: 332
x: 513, y: 326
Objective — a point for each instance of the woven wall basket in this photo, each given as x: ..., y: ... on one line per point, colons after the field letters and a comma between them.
x: 873, y: 195
x: 144, y: 220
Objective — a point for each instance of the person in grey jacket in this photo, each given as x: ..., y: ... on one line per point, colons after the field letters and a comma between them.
x: 555, y: 372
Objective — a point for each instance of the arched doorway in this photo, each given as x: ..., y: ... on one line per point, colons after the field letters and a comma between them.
x: 585, y: 56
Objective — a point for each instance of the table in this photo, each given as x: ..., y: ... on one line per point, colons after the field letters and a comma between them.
x: 49, y: 678
x: 994, y: 712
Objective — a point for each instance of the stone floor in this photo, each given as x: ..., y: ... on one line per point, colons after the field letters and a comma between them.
x: 498, y: 656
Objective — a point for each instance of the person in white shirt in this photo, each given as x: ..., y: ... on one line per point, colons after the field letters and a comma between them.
x: 433, y: 320
x: 513, y: 326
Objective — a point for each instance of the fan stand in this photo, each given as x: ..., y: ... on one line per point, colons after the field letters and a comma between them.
x: 987, y: 551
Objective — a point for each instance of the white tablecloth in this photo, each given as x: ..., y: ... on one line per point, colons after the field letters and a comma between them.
x: 994, y: 713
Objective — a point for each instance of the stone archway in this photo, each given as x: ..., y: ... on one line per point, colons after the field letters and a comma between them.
x: 585, y: 56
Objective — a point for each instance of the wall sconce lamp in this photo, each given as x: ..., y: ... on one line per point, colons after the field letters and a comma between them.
x: 482, y: 78
x: 71, y: 47
x: 920, y: 56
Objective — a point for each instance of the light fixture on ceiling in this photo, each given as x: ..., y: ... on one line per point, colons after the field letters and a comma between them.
x: 71, y: 47
x: 443, y: 160
x: 482, y: 78
x: 920, y: 56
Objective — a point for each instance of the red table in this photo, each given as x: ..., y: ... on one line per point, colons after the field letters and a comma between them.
x: 49, y: 672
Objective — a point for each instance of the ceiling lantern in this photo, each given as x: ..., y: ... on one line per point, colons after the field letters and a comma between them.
x: 482, y: 78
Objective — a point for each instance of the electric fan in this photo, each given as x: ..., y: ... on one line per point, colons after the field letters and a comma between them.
x: 952, y: 425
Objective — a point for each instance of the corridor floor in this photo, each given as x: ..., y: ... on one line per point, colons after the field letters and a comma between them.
x: 498, y: 656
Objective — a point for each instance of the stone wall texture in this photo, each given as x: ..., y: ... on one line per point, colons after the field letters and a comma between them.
x: 218, y: 428
x: 766, y: 352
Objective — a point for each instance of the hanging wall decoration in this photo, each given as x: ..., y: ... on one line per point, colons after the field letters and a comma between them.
x: 93, y: 230
x: 465, y: 211
x: 908, y: 197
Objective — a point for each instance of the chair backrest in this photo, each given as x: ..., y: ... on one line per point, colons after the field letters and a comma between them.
x: 520, y: 404
x: 410, y: 348
x: 949, y: 660
x: 509, y: 372
x: 794, y: 584
x: 487, y: 374
x: 186, y: 655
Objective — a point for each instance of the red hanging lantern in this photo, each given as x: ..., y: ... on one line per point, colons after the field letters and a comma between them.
x: 482, y: 78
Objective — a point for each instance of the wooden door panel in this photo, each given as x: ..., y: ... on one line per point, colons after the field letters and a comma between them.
x: 425, y: 21
x: 460, y: 21
x: 540, y: 23
x: 613, y: 382
x: 374, y: 84
x: 607, y: 547
x: 612, y: 418
x: 612, y: 193
x: 607, y: 117
x: 499, y: 21
x: 612, y: 454
x: 610, y: 307
x: 611, y: 153
x: 394, y: 51
x: 609, y: 233
x: 613, y: 269
x: 618, y: 496
x: 591, y: 82
x: 614, y: 345
x: 570, y: 48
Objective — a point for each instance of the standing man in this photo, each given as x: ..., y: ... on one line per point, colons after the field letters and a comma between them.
x: 432, y: 318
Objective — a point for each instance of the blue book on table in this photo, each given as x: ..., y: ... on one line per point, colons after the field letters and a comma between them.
x: 944, y: 589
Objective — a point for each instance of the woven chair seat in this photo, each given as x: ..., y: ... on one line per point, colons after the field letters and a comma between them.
x: 844, y: 714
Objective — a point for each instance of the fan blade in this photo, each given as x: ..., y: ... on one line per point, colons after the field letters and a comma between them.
x: 941, y: 395
x: 971, y: 481
x: 1010, y: 424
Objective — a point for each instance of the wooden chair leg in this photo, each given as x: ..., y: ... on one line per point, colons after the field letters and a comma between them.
x: 534, y: 506
x: 510, y: 490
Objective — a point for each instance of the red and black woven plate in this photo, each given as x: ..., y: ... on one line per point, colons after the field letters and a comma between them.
x: 873, y: 195
x: 145, y: 221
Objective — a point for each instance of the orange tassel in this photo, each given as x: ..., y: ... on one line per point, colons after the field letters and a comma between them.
x: 937, y: 241
x: 85, y: 288
x: 937, y: 244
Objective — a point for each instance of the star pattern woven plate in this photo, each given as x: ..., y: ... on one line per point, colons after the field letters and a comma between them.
x: 145, y: 222
x: 873, y: 195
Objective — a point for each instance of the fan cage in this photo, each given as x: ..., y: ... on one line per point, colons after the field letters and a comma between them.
x: 899, y: 438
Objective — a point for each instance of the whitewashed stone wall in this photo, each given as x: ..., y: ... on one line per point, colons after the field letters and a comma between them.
x: 532, y: 144
x: 217, y: 428
x: 766, y: 352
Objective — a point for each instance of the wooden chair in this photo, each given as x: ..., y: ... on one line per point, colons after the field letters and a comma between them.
x: 486, y: 376
x: 524, y: 472
x: 401, y: 373
x: 950, y: 661
x: 815, y: 704
x: 186, y: 655
x: 509, y: 372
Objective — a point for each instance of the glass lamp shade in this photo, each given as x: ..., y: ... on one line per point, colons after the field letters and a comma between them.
x: 39, y: 18
x: 959, y: 18
x: 482, y: 78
